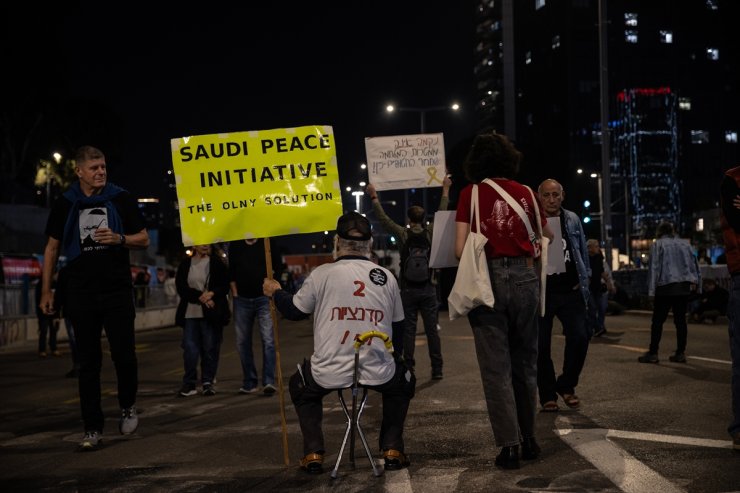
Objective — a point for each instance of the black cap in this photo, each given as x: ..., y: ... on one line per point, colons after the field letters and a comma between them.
x: 354, y: 226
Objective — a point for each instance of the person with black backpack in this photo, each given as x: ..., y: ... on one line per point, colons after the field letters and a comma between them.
x: 417, y: 281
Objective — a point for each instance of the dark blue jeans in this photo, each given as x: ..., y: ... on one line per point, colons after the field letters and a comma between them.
x: 246, y: 312
x: 422, y: 300
x: 506, y: 347
x: 733, y: 312
x: 570, y: 308
x: 200, y: 340
x: 597, y: 305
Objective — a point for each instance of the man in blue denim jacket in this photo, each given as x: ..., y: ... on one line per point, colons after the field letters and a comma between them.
x: 673, y: 275
x: 566, y: 297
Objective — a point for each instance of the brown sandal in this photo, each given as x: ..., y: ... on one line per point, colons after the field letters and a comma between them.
x: 550, y: 407
x: 571, y: 400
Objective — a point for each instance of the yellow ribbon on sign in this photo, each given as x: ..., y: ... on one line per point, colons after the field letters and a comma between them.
x: 432, y: 172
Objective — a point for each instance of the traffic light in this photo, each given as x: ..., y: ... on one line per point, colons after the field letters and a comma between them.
x: 586, y: 214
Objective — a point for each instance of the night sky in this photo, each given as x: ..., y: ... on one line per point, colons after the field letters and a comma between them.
x: 128, y: 77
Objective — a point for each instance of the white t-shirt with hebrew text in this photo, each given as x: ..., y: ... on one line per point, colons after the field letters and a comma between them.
x: 350, y: 297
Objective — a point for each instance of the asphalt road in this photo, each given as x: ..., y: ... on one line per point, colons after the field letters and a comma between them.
x: 641, y: 428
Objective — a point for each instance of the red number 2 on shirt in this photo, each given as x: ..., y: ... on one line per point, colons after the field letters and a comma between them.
x: 360, y: 288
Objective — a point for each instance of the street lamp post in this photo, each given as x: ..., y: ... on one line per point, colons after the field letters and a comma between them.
x: 422, y: 128
x: 600, y: 214
x: 606, y: 218
x: 358, y: 195
x: 57, y: 159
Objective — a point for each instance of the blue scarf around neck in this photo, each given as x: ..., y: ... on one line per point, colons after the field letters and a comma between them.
x: 71, y: 241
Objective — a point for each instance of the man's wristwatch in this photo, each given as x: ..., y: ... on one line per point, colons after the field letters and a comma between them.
x: 123, y: 239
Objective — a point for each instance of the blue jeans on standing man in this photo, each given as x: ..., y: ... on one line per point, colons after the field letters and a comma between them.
x: 200, y: 340
x: 245, y: 312
x: 597, y: 305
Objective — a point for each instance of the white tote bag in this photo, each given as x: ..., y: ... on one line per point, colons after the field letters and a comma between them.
x: 472, y: 286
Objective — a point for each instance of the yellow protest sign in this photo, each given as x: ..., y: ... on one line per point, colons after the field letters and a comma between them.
x: 256, y: 184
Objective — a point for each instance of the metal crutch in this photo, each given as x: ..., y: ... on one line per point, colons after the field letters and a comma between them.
x: 353, y: 419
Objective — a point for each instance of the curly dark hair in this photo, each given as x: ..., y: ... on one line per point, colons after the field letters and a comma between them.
x: 491, y: 155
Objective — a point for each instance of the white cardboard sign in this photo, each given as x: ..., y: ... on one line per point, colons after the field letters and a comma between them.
x: 406, y: 161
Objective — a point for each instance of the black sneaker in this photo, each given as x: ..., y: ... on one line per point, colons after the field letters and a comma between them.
x: 437, y: 375
x: 649, y: 358
x: 599, y: 332
x: 187, y: 391
x: 677, y: 358
x: 208, y: 389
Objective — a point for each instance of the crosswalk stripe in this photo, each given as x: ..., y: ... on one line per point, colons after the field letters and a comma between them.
x: 626, y: 472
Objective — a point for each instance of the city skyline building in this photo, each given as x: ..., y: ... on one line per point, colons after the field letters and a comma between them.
x: 672, y: 133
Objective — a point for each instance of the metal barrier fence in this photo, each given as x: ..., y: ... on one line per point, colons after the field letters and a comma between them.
x: 19, y: 300
x: 155, y: 308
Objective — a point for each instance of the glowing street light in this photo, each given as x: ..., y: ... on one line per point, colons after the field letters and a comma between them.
x: 358, y: 195
x: 600, y: 214
x: 390, y: 108
x: 58, y: 159
x: 423, y: 112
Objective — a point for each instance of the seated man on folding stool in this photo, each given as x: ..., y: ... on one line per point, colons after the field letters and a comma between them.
x: 348, y: 297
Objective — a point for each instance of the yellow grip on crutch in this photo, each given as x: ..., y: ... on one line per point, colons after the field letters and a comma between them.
x: 362, y: 338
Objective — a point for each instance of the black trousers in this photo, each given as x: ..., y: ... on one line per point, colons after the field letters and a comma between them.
x: 307, y: 399
x: 661, y: 306
x: 90, y: 313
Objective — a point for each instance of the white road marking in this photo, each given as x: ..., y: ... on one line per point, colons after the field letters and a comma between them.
x: 397, y: 481
x: 629, y: 474
x: 655, y: 437
x: 711, y: 360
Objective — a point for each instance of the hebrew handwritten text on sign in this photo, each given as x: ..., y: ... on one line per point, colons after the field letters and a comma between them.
x: 406, y: 161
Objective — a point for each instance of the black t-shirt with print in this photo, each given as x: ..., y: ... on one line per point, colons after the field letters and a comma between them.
x: 568, y: 279
x: 98, y: 267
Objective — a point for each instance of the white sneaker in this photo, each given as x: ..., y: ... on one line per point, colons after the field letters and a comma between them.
x: 91, y: 440
x: 129, y: 421
x: 269, y: 389
x: 253, y: 390
x: 187, y: 391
